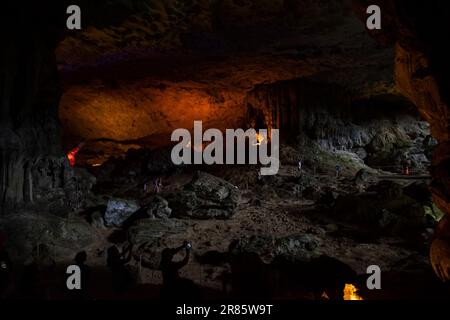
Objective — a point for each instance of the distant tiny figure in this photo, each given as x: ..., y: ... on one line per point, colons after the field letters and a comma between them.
x: 300, y: 165
x: 157, y: 185
x: 338, y: 170
x: 122, y: 278
x: 406, y: 165
x: 145, y: 187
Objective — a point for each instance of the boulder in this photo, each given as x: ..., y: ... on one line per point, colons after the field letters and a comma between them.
x: 387, y: 145
x: 157, y: 207
x: 97, y: 220
x: 206, y: 197
x: 151, y: 230
x: 300, y: 247
x: 146, y: 235
x: 119, y: 210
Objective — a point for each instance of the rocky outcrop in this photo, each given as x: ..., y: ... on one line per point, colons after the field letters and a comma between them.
x: 300, y: 247
x: 119, y: 210
x: 33, y: 169
x: 158, y: 207
x: 380, y: 130
x: 385, y: 211
x: 150, y: 230
x: 420, y: 72
x: 147, y: 235
x: 206, y: 197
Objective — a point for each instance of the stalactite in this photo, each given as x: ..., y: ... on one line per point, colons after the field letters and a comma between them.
x: 291, y: 105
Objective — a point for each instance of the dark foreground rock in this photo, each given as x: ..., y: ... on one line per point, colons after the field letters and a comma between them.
x: 146, y: 235
x: 300, y: 247
x: 387, y: 209
x: 284, y: 278
x: 63, y: 236
x: 206, y: 197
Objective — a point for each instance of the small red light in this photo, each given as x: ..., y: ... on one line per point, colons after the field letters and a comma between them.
x: 71, y: 155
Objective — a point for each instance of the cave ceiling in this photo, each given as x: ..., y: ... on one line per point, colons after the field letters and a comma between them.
x: 154, y: 65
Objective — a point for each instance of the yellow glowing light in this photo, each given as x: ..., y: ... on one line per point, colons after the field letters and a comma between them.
x: 351, y: 293
x: 259, y: 139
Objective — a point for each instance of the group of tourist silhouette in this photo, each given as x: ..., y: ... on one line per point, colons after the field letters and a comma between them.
x: 250, y: 277
x: 37, y: 279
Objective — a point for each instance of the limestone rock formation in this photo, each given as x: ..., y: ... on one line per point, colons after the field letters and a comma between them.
x: 119, y: 210
x: 206, y: 197
x: 150, y: 230
x: 158, y: 207
x: 418, y: 31
x: 387, y: 211
x: 295, y: 247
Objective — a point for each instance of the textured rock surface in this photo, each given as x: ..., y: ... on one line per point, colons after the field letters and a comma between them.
x: 150, y: 230
x: 380, y: 130
x: 32, y: 163
x: 119, y: 210
x: 421, y: 72
x: 62, y: 235
x: 206, y: 197
x: 295, y: 247
x: 158, y: 207
x: 389, y: 211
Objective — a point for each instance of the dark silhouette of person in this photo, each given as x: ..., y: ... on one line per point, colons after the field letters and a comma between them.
x: 122, y: 278
x: 6, y: 271
x: 80, y: 260
x: 169, y: 267
x: 37, y: 278
x: 175, y: 287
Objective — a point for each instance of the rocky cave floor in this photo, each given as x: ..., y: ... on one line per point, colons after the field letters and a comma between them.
x: 363, y: 217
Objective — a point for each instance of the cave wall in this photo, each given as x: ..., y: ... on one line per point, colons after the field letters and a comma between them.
x: 379, y: 130
x: 420, y: 31
x: 33, y: 168
x: 30, y: 99
x: 143, y: 110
